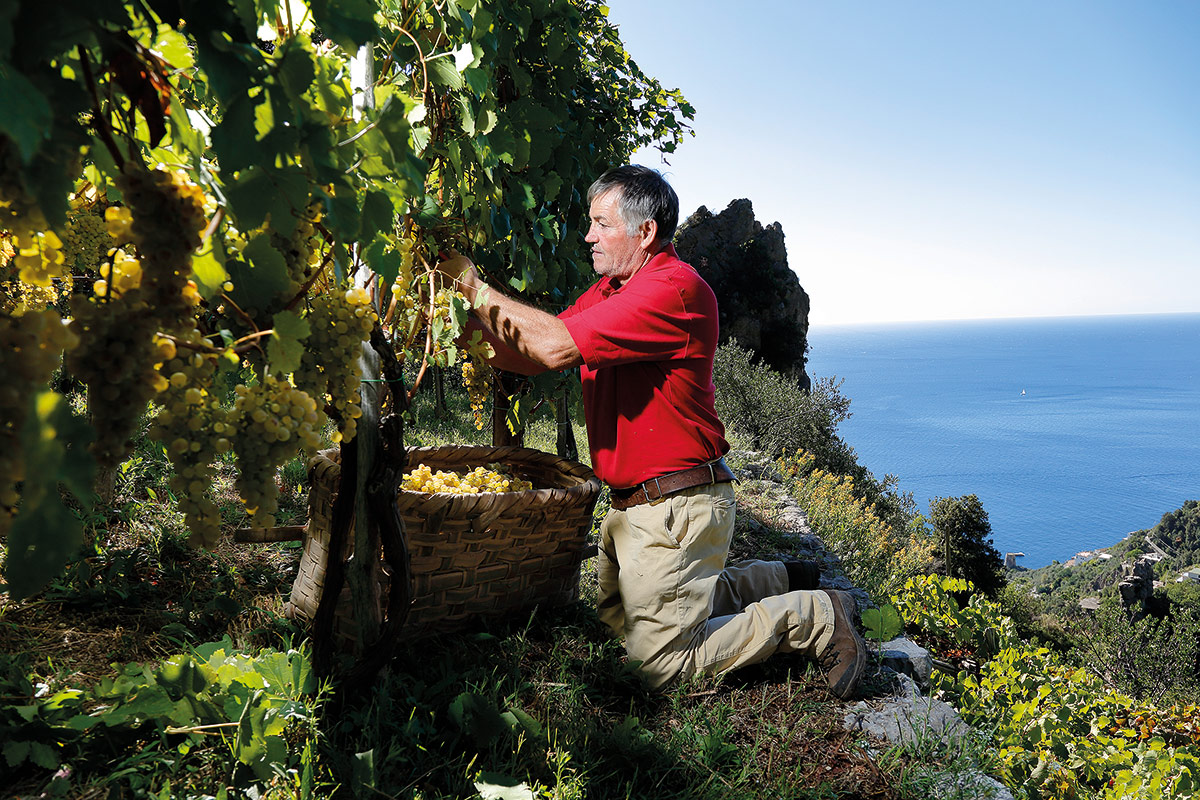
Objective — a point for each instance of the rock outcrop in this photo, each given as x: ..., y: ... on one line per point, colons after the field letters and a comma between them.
x: 763, y: 307
x: 1137, y: 584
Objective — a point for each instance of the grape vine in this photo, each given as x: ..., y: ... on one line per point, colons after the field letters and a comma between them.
x: 212, y: 202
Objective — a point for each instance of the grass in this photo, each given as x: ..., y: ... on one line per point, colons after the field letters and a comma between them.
x: 547, y: 700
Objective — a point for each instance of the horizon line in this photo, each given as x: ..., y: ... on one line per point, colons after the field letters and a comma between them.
x: 1088, y: 315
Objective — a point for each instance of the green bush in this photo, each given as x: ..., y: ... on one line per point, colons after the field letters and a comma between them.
x: 876, y: 555
x: 764, y: 410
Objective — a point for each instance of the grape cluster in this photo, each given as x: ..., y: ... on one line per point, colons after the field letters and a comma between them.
x: 16, y: 296
x: 135, y: 299
x: 339, y: 322
x: 299, y: 251
x: 270, y: 422
x: 167, y: 214
x: 406, y: 295
x: 479, y: 480
x: 30, y: 346
x: 116, y: 359
x: 478, y: 380
x: 39, y: 258
x: 194, y: 428
x: 86, y: 241
x: 119, y: 277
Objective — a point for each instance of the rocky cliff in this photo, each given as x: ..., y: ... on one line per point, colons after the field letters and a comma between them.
x: 763, y: 307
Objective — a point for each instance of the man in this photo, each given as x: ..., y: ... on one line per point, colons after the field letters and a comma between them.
x: 644, y: 337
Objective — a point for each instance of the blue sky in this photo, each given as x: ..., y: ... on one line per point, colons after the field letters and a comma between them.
x: 946, y: 160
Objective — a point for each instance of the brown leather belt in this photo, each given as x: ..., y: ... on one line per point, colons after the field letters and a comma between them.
x: 655, y: 488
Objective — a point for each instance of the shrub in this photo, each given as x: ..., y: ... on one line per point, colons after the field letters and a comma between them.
x: 769, y: 412
x: 876, y: 556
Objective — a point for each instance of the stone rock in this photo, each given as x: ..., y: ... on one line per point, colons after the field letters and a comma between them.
x: 906, y: 656
x: 762, y: 305
x: 907, y: 717
x: 1137, y: 582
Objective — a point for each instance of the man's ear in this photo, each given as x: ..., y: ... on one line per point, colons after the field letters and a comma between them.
x: 647, y: 234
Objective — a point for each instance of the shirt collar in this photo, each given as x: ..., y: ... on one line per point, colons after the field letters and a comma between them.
x: 609, y: 285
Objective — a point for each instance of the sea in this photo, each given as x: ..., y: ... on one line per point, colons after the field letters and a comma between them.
x: 1073, y: 431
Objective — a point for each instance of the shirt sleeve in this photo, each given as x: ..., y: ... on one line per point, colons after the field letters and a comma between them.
x: 650, y: 319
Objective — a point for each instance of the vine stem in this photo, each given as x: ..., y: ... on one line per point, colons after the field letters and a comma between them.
x: 102, y: 126
x: 210, y: 728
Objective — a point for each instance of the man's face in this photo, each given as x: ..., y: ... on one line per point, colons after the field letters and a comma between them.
x: 614, y: 252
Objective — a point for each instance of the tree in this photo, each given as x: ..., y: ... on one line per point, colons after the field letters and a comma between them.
x: 961, y: 526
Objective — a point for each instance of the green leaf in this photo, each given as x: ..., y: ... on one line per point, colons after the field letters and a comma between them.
x: 882, y: 624
x: 172, y: 46
x: 477, y: 718
x: 31, y: 125
x: 378, y: 215
x: 363, y: 770
x: 517, y: 415
x: 270, y: 269
x: 383, y: 261
x: 45, y: 535
x: 496, y: 786
x: 285, y: 347
x: 15, y: 752
x: 442, y: 72
x: 518, y: 720
x: 296, y: 70
x: 208, y: 265
x: 235, y: 137
x: 350, y: 23
x: 43, y: 755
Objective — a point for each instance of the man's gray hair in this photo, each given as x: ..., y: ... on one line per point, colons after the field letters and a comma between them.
x: 645, y: 195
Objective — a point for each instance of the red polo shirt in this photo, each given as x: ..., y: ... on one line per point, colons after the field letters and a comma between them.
x: 647, y: 349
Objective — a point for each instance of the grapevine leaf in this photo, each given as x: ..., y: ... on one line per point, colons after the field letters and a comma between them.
x: 15, y: 752
x: 43, y: 755
x: 208, y: 265
x: 296, y: 70
x: 517, y: 415
x: 284, y: 348
x: 442, y: 72
x: 270, y: 270
x: 235, y: 138
x: 45, y: 534
x: 349, y: 23
x: 30, y: 127
x: 183, y: 131
x: 478, y: 718
x: 882, y: 624
x: 495, y: 786
x: 383, y: 261
x: 172, y: 46
x: 378, y: 215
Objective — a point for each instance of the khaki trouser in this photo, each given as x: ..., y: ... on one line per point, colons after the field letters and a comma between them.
x: 665, y: 587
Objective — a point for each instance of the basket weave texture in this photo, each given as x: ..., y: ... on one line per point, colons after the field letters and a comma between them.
x: 471, y: 555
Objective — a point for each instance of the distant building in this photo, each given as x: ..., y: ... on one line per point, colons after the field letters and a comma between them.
x: 1189, y: 575
x: 1010, y: 559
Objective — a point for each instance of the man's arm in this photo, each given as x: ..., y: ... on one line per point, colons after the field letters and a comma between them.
x: 526, y: 339
x: 505, y: 358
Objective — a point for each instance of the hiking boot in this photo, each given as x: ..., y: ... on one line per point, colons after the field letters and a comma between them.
x: 802, y: 575
x: 845, y: 657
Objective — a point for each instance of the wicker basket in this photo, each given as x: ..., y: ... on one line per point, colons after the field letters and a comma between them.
x: 481, y: 555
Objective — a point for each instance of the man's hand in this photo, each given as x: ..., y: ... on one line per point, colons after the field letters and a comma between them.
x: 462, y: 273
